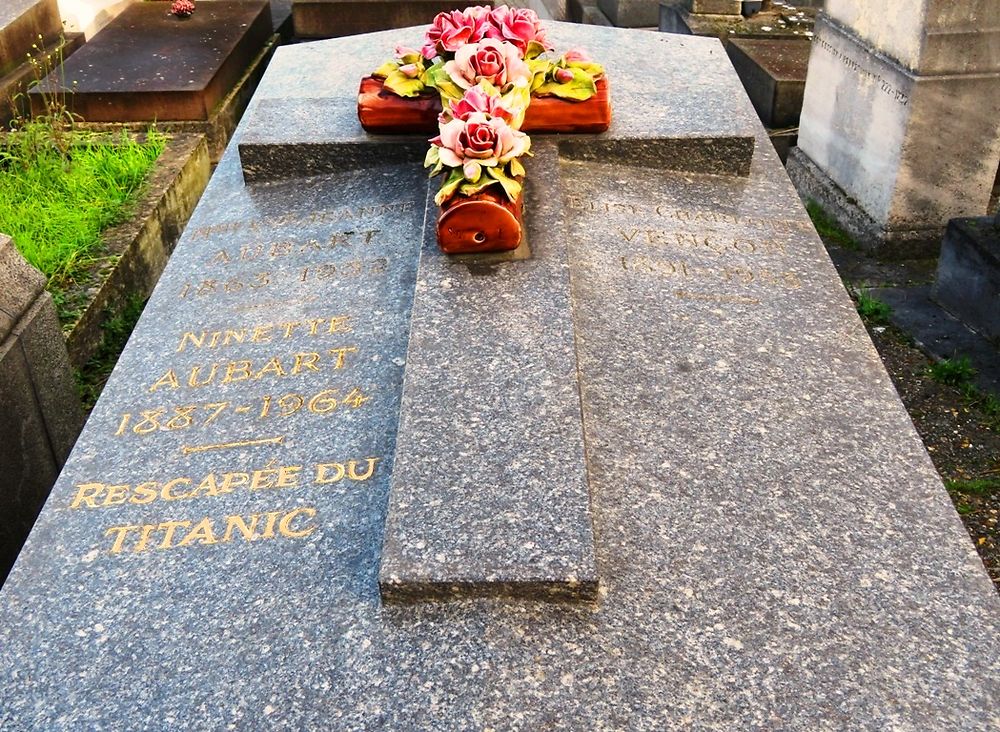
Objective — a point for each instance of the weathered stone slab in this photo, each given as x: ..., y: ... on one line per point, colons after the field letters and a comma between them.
x: 774, y: 74
x: 21, y: 24
x: 40, y: 413
x: 335, y: 18
x: 674, y: 124
x: 773, y: 545
x: 182, y: 69
x: 968, y: 276
x: 490, y: 493
x: 892, y: 179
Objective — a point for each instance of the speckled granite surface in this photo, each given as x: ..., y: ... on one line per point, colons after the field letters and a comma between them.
x: 774, y: 548
x: 489, y: 493
x: 680, y: 109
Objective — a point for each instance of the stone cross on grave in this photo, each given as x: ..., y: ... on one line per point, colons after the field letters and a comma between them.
x: 490, y: 491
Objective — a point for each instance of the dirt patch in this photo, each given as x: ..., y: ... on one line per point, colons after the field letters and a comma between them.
x: 961, y: 439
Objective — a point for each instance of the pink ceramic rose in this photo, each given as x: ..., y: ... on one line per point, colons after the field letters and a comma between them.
x: 453, y: 29
x: 479, y: 140
x: 477, y: 100
x: 519, y: 26
x: 489, y: 60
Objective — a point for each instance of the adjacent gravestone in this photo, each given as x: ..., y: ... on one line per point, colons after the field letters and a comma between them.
x: 89, y: 16
x: 26, y: 25
x: 316, y: 400
x: 900, y: 126
x: 631, y: 13
x: 29, y: 31
x: 773, y: 72
x: 150, y: 65
x: 192, y: 75
x: 40, y: 413
x: 335, y: 18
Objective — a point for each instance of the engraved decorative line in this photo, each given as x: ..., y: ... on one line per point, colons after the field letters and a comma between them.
x: 189, y: 449
x: 739, y: 299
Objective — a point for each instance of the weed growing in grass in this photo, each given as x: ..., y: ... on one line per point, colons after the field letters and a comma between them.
x: 91, y: 378
x: 871, y: 310
x: 953, y: 371
x: 827, y: 228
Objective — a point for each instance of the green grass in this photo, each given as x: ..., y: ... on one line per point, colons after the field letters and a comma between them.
x: 872, y: 310
x: 953, y: 371
x: 827, y: 228
x: 91, y: 378
x: 60, y: 190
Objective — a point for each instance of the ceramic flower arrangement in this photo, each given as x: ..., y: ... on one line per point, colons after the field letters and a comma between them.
x: 483, y: 78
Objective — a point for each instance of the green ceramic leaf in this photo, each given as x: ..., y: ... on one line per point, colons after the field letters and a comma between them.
x: 401, y: 84
x: 449, y: 187
x: 510, y: 186
x: 385, y: 69
x: 581, y: 88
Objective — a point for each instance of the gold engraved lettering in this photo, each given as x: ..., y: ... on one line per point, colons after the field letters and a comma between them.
x: 213, y: 484
x: 323, y: 471
x: 297, y: 523
x: 86, y: 493
x: 168, y: 528
x: 352, y: 471
x: 285, y: 524
x: 238, y: 523
x: 167, y: 495
x: 122, y: 531
x: 341, y: 355
x: 168, y: 379
x: 202, y: 533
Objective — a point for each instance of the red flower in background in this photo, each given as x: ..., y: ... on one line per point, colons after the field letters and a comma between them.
x: 182, y: 8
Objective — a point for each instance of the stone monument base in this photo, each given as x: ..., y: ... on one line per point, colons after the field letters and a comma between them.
x: 911, y: 149
x: 880, y: 240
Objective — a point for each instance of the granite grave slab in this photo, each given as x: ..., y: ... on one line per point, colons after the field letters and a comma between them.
x: 215, y: 553
x: 774, y: 75
x: 679, y: 123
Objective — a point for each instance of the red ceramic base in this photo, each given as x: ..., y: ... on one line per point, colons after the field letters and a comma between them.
x: 484, y: 222
x: 382, y: 112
